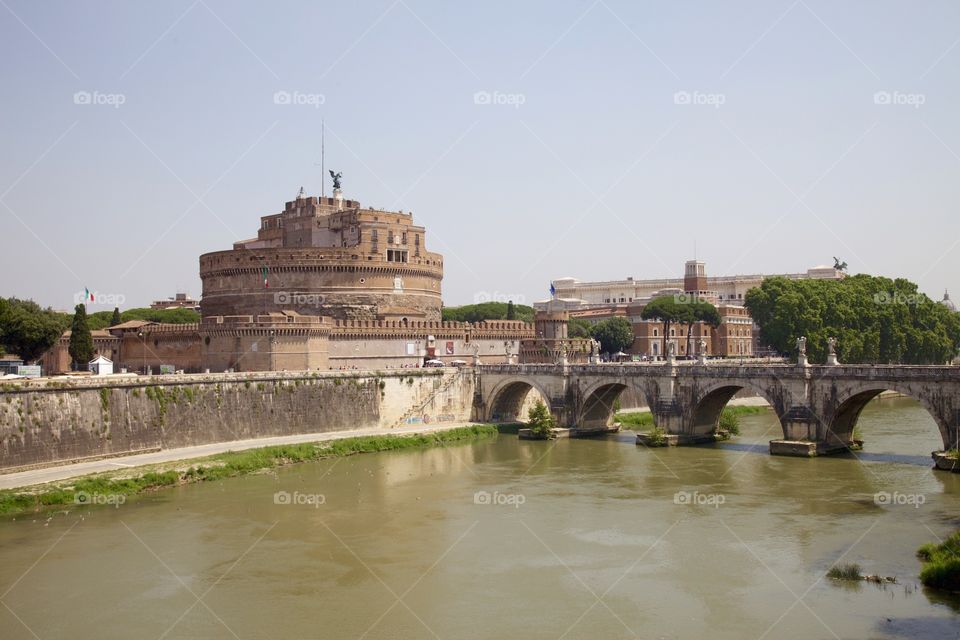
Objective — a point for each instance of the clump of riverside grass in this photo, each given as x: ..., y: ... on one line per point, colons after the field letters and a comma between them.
x: 634, y: 419
x: 941, y: 564
x: 848, y: 571
x: 226, y: 465
x: 729, y: 421
x: 541, y: 421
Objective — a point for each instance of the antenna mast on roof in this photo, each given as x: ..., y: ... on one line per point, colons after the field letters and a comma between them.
x: 323, y: 173
x: 323, y: 177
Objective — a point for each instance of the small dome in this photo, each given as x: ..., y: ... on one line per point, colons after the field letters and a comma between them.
x: 948, y: 303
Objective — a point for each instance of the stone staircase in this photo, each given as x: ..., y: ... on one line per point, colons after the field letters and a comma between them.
x: 446, y: 383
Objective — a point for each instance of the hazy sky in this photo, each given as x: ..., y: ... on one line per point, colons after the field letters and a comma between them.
x: 612, y: 139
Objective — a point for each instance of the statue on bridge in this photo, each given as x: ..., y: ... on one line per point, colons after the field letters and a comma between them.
x: 802, y: 345
x: 832, y: 352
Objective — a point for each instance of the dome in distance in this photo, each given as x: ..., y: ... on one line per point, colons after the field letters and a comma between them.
x: 948, y: 303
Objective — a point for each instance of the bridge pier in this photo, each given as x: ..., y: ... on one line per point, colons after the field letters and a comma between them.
x: 818, y: 406
x: 806, y: 436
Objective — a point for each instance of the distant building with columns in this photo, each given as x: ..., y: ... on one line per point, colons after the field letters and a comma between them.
x: 736, y: 336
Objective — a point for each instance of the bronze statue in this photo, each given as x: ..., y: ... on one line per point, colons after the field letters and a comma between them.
x: 839, y: 266
x: 336, y: 178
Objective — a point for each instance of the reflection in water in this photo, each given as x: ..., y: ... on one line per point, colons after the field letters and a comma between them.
x: 439, y: 543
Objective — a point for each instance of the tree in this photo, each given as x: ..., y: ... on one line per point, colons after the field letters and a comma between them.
x: 81, y: 342
x: 511, y: 311
x: 614, y: 334
x: 540, y: 420
x: 699, y: 311
x: 667, y: 310
x: 874, y: 319
x: 115, y: 320
x: 579, y: 328
x: 28, y: 330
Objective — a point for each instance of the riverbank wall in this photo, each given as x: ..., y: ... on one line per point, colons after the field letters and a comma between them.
x: 59, y: 420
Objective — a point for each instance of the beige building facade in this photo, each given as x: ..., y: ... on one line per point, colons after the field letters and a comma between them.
x: 736, y: 336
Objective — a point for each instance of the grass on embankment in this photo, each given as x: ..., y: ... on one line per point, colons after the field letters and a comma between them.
x: 941, y: 564
x: 224, y: 465
x: 641, y: 420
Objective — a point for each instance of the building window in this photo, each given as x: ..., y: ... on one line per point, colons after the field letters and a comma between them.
x: 655, y: 332
x: 390, y: 237
x: 403, y: 238
x: 373, y: 236
x: 396, y: 255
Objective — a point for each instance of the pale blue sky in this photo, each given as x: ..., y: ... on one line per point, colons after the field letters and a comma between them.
x: 598, y: 174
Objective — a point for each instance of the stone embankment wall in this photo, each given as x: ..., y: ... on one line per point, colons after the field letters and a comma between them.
x: 52, y: 421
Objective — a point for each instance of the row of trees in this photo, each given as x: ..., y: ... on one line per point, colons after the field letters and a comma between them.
x: 616, y: 334
x: 683, y: 310
x: 874, y: 319
x: 28, y: 330
x: 488, y: 311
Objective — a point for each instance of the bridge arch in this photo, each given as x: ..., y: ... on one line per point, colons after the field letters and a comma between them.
x: 710, y: 401
x: 596, y: 408
x: 508, y: 397
x: 851, y: 404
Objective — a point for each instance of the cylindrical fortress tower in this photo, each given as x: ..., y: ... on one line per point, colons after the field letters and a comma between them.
x: 324, y: 257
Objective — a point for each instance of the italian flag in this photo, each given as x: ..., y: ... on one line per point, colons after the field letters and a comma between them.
x: 265, y: 270
x: 89, y: 295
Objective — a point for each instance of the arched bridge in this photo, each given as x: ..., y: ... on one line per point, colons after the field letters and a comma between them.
x: 818, y: 406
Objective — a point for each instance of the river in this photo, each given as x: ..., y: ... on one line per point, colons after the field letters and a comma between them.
x: 507, y: 539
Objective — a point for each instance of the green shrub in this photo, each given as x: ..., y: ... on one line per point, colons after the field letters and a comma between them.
x: 658, y: 437
x: 941, y: 564
x: 729, y: 421
x: 541, y: 422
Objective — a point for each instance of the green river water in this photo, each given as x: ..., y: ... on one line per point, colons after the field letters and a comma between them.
x: 508, y: 539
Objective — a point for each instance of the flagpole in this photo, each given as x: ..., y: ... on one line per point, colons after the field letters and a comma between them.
x: 323, y: 173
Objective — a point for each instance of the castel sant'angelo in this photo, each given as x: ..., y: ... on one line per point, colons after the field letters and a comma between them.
x: 327, y: 257
x: 325, y: 284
